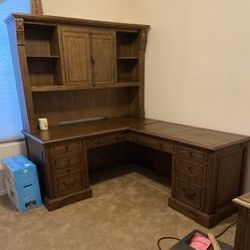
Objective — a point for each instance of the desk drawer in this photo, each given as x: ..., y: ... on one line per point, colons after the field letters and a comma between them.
x: 148, y: 142
x: 191, y: 180
x: 99, y: 141
x: 67, y: 184
x: 67, y: 161
x: 189, y: 168
x: 69, y: 148
x: 167, y: 146
x: 192, y: 155
x: 188, y: 193
x: 68, y: 170
x: 154, y: 143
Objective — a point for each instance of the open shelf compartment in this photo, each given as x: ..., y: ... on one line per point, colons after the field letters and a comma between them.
x: 128, y: 71
x: 41, y: 40
x: 44, y: 72
x: 127, y: 44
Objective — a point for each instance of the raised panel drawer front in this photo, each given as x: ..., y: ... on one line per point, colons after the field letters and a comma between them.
x: 167, y: 146
x: 188, y: 193
x: 67, y: 161
x: 69, y: 148
x: 192, y: 155
x: 190, y: 168
x: 193, y: 180
x: 70, y: 183
x: 68, y: 170
x: 105, y: 140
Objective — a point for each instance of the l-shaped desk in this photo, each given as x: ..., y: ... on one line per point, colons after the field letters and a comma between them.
x: 207, y: 165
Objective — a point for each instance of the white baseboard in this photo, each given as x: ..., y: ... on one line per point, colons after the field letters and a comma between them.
x: 3, y: 192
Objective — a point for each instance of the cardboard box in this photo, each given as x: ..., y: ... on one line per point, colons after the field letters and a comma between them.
x: 22, y: 183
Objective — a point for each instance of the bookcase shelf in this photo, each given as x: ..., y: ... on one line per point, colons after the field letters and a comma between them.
x: 42, y: 52
x: 58, y: 87
x: 42, y: 56
x: 128, y: 71
x: 127, y: 58
x: 43, y: 71
x: 77, y: 69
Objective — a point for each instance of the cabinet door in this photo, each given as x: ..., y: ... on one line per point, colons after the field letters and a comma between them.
x: 76, y: 45
x: 104, y: 59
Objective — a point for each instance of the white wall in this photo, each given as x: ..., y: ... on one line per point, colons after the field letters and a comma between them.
x: 109, y: 10
x: 198, y: 61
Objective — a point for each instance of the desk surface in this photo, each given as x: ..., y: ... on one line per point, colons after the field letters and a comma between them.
x: 204, y: 138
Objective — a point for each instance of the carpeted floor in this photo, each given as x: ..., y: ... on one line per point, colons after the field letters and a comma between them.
x: 129, y: 210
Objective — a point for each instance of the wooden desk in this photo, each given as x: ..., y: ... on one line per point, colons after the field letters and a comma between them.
x: 242, y: 238
x: 69, y: 69
x: 207, y: 165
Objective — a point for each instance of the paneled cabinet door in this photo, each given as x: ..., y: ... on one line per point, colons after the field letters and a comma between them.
x: 104, y: 57
x: 76, y: 47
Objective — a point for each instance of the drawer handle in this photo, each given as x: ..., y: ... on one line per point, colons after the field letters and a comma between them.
x: 188, y: 194
x: 189, y: 168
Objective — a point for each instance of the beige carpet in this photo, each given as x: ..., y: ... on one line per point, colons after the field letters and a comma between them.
x: 129, y: 210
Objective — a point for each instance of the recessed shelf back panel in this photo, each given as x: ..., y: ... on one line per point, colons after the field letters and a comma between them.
x: 41, y: 40
x: 127, y: 44
x: 128, y: 71
x: 75, y: 105
x: 43, y: 72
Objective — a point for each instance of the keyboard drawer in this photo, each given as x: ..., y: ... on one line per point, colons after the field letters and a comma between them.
x: 105, y: 140
x: 154, y: 143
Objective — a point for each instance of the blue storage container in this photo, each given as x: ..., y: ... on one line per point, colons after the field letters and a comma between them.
x: 22, y: 183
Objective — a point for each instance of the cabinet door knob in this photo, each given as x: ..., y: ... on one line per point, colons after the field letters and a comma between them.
x: 92, y: 60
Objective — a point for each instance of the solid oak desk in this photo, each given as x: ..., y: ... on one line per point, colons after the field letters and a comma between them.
x: 207, y: 165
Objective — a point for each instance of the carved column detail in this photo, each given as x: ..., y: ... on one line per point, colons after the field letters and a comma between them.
x: 20, y: 32
x: 143, y: 40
